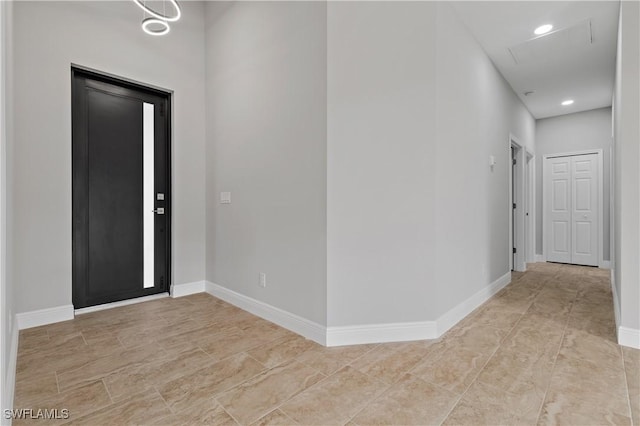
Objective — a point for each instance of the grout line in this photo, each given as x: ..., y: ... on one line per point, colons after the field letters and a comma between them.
x: 500, y: 345
x: 225, y: 410
x: 626, y: 385
x: 475, y: 379
x: 57, y: 382
x: 164, y: 400
x: 553, y: 368
x: 107, y: 389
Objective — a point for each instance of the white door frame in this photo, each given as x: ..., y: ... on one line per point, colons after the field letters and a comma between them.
x: 545, y: 219
x: 517, y: 262
x: 530, y: 224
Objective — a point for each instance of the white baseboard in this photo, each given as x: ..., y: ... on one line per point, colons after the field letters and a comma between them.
x: 540, y: 258
x: 185, y: 289
x: 381, y: 333
x: 120, y: 303
x: 304, y: 327
x: 455, y: 315
x: 606, y: 264
x: 616, y: 300
x: 10, y: 383
x: 359, y: 334
x: 44, y: 316
x: 629, y: 337
x: 626, y: 336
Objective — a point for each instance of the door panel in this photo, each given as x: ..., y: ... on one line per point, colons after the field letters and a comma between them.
x: 585, y: 210
x: 115, y: 193
x: 559, y: 238
x: 120, y: 168
x: 572, y: 209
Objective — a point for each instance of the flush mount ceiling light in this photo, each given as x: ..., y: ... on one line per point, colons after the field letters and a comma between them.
x: 155, y: 27
x: 174, y: 3
x: 543, y: 29
x: 567, y: 102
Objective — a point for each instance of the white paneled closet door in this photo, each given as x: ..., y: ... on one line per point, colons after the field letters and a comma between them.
x: 572, y: 209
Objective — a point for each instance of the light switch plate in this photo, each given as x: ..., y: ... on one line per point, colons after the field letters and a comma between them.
x: 225, y: 198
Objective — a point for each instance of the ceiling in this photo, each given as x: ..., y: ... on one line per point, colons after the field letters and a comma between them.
x: 556, y: 66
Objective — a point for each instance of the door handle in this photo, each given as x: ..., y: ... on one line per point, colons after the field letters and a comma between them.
x: 159, y: 210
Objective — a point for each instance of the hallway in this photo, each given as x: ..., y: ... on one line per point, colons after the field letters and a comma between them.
x: 541, y: 351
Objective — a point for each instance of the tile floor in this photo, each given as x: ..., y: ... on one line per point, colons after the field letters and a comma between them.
x: 542, y: 351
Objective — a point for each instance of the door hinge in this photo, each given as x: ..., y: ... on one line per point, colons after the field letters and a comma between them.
x: 162, y: 280
x: 162, y: 109
x: 514, y: 250
x: 514, y: 206
x: 514, y: 161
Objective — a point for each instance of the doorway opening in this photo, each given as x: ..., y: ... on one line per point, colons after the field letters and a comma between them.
x: 121, y: 195
x: 517, y: 206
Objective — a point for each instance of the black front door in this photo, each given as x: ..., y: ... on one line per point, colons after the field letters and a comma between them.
x: 121, y: 199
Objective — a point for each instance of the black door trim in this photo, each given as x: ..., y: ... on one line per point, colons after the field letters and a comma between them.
x: 79, y: 154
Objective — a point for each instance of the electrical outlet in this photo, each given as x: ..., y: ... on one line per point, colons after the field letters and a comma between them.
x: 263, y: 279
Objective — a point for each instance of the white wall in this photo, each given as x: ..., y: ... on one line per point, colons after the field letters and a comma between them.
x: 417, y: 221
x: 476, y: 112
x: 6, y: 287
x: 381, y: 162
x: 570, y: 133
x: 626, y: 109
x: 266, y: 144
x: 49, y: 37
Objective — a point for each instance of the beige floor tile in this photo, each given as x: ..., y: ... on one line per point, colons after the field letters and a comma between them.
x: 36, y: 388
x: 411, y: 401
x: 503, y: 320
x: 73, y: 353
x: 144, y: 408
x: 78, y: 402
x: 150, y: 333
x: 536, y: 333
x: 207, y: 413
x: 334, y: 400
x: 511, y: 370
x: 577, y: 376
x: 329, y: 360
x: 258, y: 396
x: 495, y: 405
x: 281, y: 350
x: 193, y: 337
x: 389, y: 362
x: 451, y: 367
x: 582, y: 390
x: 465, y: 413
x: 562, y: 408
x: 167, y: 361
x: 98, y: 368
x: 481, y: 338
x: 275, y: 418
x: 232, y: 341
x: 33, y: 339
x: 632, y: 368
x: 203, y: 385
x: 138, y: 377
x: 586, y: 346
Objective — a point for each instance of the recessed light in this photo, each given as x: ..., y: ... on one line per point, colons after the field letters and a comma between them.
x: 543, y: 29
x: 567, y: 102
